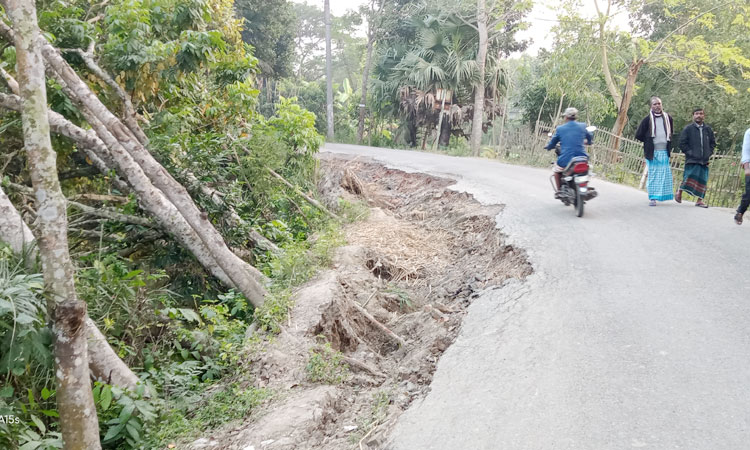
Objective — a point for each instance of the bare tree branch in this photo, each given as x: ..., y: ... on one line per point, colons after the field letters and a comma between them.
x: 10, y: 81
x: 112, y: 214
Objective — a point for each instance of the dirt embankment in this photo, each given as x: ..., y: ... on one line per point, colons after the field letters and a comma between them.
x: 391, y: 305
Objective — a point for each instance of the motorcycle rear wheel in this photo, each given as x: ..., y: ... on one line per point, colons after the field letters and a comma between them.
x: 579, y: 203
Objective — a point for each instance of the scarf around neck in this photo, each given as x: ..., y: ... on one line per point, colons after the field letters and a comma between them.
x: 667, y: 128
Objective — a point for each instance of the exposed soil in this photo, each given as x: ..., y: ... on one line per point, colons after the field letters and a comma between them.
x: 392, y: 304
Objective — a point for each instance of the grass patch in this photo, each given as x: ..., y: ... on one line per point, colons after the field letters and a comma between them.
x: 404, y: 301
x: 217, y: 408
x: 353, y: 211
x: 298, y: 263
x: 326, y: 365
x: 274, y: 311
x: 381, y: 400
x: 301, y: 260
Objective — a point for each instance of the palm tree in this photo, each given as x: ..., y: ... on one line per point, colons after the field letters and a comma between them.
x: 440, y: 68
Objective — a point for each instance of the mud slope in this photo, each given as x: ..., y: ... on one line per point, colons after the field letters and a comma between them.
x: 391, y: 305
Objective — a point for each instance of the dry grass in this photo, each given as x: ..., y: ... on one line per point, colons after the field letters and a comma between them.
x: 413, y: 253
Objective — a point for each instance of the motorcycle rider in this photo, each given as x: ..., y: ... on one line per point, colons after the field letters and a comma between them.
x: 570, y: 136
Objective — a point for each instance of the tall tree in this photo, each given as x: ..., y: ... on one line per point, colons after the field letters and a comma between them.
x: 329, y: 71
x: 478, y: 119
x: 496, y: 23
x: 79, y: 422
x: 270, y: 28
x: 373, y: 25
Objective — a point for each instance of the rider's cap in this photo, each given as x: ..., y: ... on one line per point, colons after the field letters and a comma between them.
x: 571, y: 113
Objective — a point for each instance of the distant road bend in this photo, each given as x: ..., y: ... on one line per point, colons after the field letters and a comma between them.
x: 633, y: 332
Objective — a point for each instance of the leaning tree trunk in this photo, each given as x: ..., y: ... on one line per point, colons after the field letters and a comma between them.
x: 149, y: 198
x: 478, y: 119
x: 120, y: 141
x: 329, y: 70
x: 210, y: 248
x: 627, y: 97
x: 79, y: 423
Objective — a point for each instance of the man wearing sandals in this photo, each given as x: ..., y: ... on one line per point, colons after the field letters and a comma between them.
x: 745, y: 161
x: 655, y: 131
x: 697, y: 142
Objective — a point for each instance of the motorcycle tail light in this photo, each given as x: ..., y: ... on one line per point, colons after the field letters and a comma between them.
x: 581, y: 168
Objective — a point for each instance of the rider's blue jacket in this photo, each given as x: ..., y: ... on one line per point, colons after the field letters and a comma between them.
x: 570, y: 136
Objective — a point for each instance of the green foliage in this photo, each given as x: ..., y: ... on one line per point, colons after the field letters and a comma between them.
x: 124, y: 301
x: 296, y: 129
x: 219, y: 405
x: 269, y: 26
x: 33, y: 423
x: 274, y: 311
x: 22, y: 319
x: 25, y: 360
x: 123, y: 416
x: 311, y: 95
x: 300, y: 261
x: 326, y: 365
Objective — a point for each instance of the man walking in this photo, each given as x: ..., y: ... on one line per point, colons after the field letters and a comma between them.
x: 745, y: 161
x: 697, y: 142
x: 655, y: 131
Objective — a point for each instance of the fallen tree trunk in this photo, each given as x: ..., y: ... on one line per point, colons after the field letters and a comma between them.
x: 129, y: 116
x: 151, y: 199
x: 133, y: 159
x: 89, y: 142
x: 118, y: 137
x: 170, y: 220
x: 104, y: 364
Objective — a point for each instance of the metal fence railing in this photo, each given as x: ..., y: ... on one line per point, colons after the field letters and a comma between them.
x: 626, y: 164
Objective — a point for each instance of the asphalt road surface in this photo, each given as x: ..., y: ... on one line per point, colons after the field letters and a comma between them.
x: 633, y: 331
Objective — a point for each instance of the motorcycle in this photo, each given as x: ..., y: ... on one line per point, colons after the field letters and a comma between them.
x: 574, y: 181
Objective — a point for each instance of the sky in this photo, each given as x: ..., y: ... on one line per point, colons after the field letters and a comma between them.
x: 542, y: 18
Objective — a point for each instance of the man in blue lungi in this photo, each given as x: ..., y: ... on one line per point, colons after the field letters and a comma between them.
x: 655, y: 131
x: 697, y: 141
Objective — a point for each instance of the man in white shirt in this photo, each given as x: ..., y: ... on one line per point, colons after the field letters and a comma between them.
x: 745, y: 161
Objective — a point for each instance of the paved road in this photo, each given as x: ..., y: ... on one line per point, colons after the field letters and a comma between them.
x: 633, y: 332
